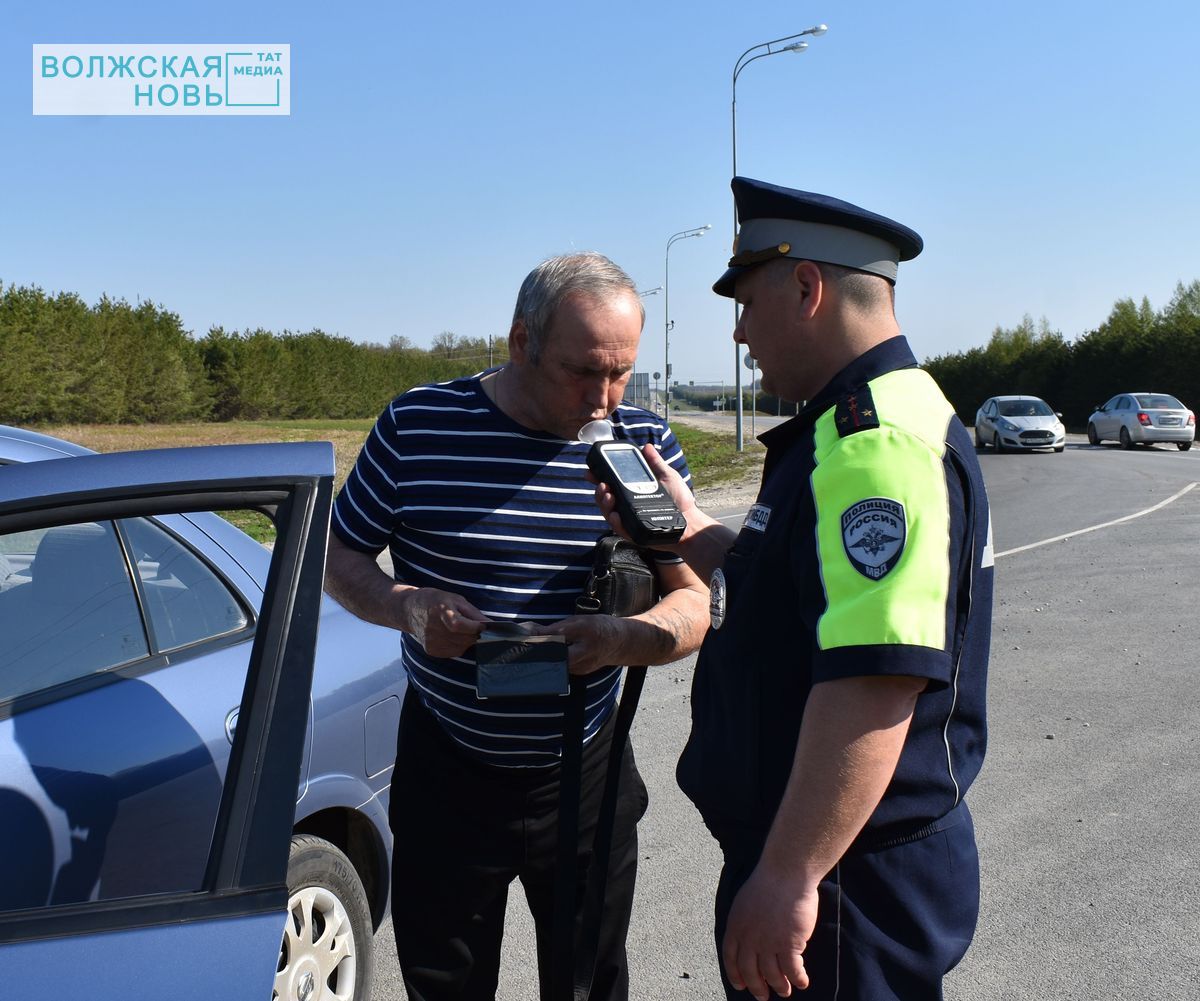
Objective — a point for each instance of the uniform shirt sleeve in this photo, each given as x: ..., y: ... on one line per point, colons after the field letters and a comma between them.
x: 364, y: 511
x: 886, y: 515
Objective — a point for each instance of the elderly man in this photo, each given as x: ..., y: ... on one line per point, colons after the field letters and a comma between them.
x: 838, y: 702
x: 478, y: 487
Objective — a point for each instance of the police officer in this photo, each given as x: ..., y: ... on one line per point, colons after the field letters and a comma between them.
x: 838, y: 702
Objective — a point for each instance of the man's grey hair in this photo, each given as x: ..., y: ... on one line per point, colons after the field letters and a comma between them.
x: 547, y: 285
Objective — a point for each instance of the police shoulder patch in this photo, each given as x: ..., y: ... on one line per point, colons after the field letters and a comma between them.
x: 873, y: 534
x: 855, y: 412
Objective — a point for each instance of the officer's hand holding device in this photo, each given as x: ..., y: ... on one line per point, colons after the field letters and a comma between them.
x: 646, y: 510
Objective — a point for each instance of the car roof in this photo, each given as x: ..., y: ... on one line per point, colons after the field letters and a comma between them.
x: 1005, y: 399
x: 1145, y: 392
x: 20, y: 445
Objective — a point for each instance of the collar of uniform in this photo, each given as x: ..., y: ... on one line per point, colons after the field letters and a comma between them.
x: 892, y: 354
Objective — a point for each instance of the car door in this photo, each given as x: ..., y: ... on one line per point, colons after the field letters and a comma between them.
x: 1123, y: 414
x: 1106, y: 420
x: 185, y: 928
x: 989, y: 420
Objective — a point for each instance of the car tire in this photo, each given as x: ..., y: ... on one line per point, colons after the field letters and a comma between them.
x: 996, y: 442
x: 1126, y: 441
x: 1093, y: 437
x: 326, y: 952
x: 1183, y: 446
x: 1059, y: 448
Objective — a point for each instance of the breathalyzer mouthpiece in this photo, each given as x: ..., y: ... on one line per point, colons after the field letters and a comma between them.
x: 594, y: 431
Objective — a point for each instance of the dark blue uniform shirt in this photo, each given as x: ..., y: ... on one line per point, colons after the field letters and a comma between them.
x: 868, y: 553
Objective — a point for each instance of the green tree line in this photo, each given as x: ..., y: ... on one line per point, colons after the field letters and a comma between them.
x: 1135, y: 349
x: 63, y: 361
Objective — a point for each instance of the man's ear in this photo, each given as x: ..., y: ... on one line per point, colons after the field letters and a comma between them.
x: 518, y: 342
x: 811, y: 285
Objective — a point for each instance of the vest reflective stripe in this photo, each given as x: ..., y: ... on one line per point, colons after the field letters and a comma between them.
x: 900, y: 461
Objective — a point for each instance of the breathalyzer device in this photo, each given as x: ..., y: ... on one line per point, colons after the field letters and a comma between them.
x: 646, y: 510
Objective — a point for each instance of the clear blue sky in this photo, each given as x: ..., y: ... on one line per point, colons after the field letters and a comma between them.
x: 1047, y: 152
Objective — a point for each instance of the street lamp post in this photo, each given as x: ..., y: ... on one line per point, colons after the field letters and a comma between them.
x: 791, y: 43
x: 752, y: 363
x: 637, y: 402
x: 683, y: 234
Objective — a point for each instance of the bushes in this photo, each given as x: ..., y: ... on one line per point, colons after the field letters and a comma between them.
x: 112, y: 363
x: 62, y: 361
x: 1134, y: 349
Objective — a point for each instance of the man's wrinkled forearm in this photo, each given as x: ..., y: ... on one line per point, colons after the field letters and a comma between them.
x: 672, y: 629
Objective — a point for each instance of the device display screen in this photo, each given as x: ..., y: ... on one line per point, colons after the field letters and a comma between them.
x: 628, y: 465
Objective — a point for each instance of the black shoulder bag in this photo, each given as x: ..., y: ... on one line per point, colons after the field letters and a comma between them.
x: 621, y: 583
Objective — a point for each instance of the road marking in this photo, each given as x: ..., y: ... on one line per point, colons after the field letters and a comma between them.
x: 1096, y: 528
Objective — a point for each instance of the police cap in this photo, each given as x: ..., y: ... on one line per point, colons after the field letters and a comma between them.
x: 780, y: 222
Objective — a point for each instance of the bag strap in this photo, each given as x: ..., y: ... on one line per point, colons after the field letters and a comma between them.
x: 566, y: 866
x: 593, y: 901
x: 573, y: 963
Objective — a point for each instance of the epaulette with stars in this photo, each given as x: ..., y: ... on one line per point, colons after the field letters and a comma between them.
x: 855, y: 412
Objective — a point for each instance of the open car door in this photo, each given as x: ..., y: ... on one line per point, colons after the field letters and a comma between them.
x: 216, y: 931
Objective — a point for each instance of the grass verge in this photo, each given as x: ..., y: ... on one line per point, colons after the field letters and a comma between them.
x: 712, y: 457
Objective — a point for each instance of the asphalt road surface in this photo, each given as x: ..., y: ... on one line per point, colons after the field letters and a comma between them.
x: 1088, y: 807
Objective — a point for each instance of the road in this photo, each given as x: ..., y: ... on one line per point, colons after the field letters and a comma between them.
x: 1087, y: 808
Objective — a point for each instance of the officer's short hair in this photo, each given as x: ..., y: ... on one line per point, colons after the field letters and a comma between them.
x: 548, y: 285
x: 864, y: 291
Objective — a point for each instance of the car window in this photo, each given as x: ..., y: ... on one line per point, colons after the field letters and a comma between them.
x: 114, y: 793
x: 68, y: 607
x: 185, y: 600
x: 1159, y: 401
x: 1025, y: 408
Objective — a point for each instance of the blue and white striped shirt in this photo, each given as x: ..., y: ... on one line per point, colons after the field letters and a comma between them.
x: 469, y: 501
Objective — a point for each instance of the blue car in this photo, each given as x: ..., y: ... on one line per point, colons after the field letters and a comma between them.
x: 125, y: 640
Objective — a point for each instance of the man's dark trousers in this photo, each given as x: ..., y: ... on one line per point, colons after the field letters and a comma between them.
x: 464, y: 830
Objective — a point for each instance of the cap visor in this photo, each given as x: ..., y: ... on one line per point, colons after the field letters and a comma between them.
x: 725, y: 284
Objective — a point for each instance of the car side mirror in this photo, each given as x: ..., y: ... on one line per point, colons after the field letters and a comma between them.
x: 1058, y: 414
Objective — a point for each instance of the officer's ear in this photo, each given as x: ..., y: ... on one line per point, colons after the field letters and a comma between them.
x: 809, y: 286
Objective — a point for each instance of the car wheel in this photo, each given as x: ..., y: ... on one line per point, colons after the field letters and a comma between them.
x: 996, y: 442
x: 1126, y: 441
x: 326, y: 950
x: 1059, y: 448
x: 1093, y: 437
x: 1183, y: 446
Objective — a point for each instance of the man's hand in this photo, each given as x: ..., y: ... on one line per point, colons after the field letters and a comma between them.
x: 704, y: 541
x: 671, y: 481
x: 593, y: 641
x: 445, y: 624
x: 770, y: 923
